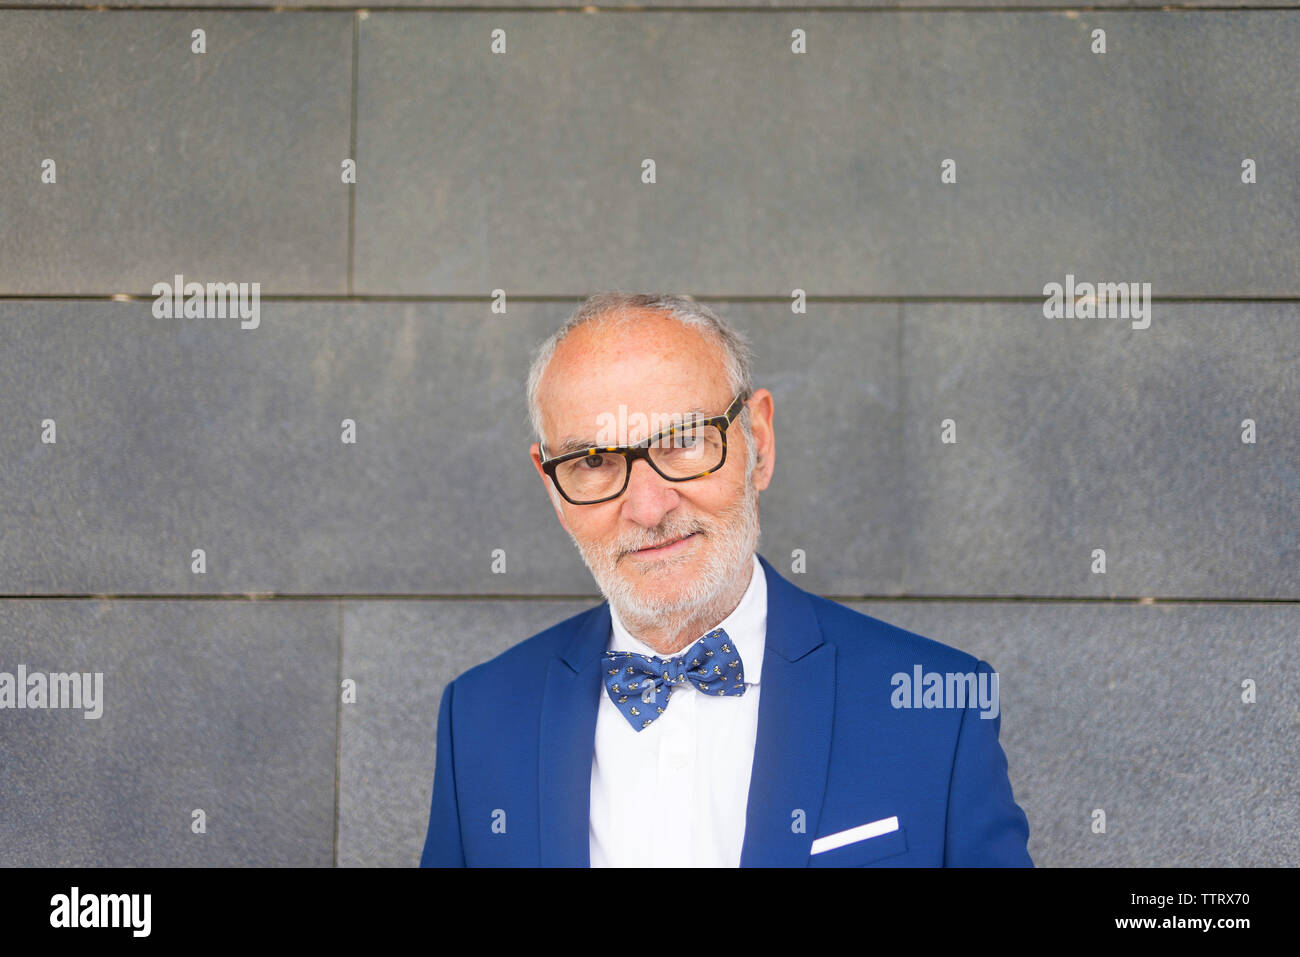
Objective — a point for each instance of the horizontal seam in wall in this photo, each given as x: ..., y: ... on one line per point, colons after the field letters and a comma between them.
x: 717, y: 297
x: 592, y: 8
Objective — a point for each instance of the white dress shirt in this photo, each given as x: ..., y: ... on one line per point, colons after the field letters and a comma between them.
x: 675, y: 793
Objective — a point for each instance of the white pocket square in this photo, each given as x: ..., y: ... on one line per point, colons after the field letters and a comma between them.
x: 885, y: 825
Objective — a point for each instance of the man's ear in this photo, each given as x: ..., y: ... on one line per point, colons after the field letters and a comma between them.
x: 535, y: 452
x: 760, y: 424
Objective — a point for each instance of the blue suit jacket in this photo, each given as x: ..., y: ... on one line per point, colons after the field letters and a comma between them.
x: 515, y: 737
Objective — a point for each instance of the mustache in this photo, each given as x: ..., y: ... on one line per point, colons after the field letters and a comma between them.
x: 670, y: 535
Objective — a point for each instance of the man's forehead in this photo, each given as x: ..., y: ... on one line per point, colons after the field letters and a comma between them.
x: 658, y: 369
x: 590, y: 404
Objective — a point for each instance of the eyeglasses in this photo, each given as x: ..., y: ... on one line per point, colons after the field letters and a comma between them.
x: 679, y: 454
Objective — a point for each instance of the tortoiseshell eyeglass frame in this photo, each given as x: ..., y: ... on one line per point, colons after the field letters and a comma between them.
x: 641, y: 450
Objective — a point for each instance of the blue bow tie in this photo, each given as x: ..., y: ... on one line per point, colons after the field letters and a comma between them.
x: 640, y: 685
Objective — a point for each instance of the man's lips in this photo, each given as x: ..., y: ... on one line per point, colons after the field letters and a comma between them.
x: 666, y: 549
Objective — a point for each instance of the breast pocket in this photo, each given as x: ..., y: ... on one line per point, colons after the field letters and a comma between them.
x: 864, y: 853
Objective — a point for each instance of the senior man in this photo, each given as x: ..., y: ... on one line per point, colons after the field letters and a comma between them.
x: 708, y: 712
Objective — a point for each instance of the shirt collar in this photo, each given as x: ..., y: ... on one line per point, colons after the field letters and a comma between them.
x: 746, y: 625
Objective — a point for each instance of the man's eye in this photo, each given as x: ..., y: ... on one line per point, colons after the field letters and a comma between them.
x: 593, y: 462
x: 680, y: 440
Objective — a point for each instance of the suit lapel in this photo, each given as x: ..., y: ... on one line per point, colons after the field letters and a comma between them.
x: 568, y: 735
x: 792, y: 751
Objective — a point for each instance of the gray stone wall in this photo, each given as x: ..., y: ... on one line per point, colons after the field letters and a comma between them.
x: 822, y: 171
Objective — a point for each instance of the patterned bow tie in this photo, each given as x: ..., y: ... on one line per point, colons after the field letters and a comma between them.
x: 640, y: 685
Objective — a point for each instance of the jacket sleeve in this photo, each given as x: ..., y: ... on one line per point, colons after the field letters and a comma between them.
x: 442, y: 845
x: 985, y: 826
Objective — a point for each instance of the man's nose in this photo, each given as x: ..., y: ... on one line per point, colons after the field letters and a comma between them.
x: 649, y: 496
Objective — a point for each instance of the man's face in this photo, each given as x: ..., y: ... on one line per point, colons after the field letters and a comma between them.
x: 661, y: 548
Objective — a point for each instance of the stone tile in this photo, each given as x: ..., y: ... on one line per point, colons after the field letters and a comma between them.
x: 402, y: 654
x: 226, y: 706
x: 834, y: 380
x: 222, y: 166
x: 181, y: 434
x: 1137, y: 710
x: 1076, y: 434
x: 822, y: 171
x: 184, y: 434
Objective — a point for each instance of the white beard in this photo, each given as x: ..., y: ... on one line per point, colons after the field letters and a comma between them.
x: 733, y: 538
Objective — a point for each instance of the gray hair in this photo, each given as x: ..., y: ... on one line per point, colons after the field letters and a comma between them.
x: 620, y: 308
